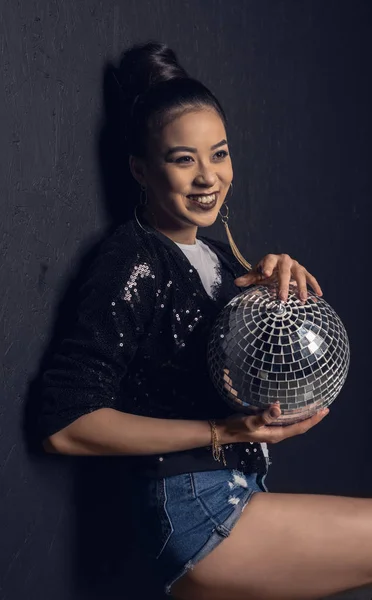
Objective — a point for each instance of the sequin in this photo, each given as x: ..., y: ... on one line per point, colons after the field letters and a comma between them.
x: 141, y: 271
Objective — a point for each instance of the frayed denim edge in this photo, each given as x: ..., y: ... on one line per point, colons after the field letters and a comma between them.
x: 219, y: 533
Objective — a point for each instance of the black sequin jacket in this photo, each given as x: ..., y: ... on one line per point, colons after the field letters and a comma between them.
x: 139, y: 346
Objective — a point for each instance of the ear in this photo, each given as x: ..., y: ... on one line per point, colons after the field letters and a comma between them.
x: 137, y: 168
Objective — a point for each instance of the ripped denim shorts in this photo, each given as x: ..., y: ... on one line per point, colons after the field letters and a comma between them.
x: 181, y: 519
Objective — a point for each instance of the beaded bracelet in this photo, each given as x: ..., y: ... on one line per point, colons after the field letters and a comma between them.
x: 217, y: 449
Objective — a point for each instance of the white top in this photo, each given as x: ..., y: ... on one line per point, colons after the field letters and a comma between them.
x: 206, y: 262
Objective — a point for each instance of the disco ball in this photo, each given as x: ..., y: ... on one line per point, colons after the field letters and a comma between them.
x: 262, y: 350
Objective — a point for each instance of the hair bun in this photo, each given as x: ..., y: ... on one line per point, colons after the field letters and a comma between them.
x: 145, y: 65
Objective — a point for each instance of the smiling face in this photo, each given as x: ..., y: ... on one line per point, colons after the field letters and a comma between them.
x: 187, y: 173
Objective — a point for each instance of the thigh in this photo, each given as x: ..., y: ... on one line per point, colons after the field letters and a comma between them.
x: 287, y: 547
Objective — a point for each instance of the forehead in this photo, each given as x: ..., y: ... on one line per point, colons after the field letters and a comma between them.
x: 196, y: 128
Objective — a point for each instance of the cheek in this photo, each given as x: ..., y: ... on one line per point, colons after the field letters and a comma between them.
x: 161, y: 182
x: 227, y: 172
x: 176, y: 181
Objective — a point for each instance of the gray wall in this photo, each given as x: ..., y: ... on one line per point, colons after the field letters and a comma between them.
x: 294, y: 77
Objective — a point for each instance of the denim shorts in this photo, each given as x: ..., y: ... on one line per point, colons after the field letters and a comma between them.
x: 181, y: 519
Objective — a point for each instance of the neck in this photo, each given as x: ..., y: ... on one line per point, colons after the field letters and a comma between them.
x: 177, y: 232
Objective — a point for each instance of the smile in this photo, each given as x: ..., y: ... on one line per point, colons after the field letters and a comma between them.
x: 204, y: 201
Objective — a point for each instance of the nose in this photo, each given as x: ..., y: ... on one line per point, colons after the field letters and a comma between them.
x: 206, y: 177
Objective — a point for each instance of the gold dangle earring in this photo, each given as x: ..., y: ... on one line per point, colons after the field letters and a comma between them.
x: 235, y: 250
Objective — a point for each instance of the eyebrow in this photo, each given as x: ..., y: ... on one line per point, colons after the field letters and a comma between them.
x: 193, y: 150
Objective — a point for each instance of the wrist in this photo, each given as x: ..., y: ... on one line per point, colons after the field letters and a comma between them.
x: 224, y: 433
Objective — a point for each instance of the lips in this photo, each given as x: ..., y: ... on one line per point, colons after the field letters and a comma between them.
x: 204, y: 201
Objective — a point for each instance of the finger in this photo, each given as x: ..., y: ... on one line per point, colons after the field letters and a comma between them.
x: 313, y: 283
x: 299, y: 275
x: 266, y: 418
x: 284, y: 276
x: 289, y: 431
x: 257, y: 275
x: 249, y: 279
x: 267, y: 265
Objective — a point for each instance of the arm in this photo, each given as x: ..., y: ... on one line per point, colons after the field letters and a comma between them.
x: 82, y: 409
x: 112, y: 432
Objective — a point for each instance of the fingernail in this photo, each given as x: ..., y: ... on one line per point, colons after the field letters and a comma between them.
x: 274, y: 412
x: 303, y: 296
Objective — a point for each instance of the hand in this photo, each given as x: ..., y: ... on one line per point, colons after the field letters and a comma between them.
x: 258, y: 427
x: 238, y: 428
x: 281, y: 269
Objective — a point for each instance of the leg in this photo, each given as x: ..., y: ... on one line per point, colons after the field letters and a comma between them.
x: 287, y: 547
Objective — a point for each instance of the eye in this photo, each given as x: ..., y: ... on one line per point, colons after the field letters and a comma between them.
x: 221, y: 154
x: 183, y: 159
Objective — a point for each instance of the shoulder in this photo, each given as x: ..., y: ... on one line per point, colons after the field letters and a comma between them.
x: 223, y: 249
x: 221, y: 246
x: 124, y: 256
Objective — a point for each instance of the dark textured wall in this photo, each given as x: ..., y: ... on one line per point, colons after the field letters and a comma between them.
x: 294, y: 77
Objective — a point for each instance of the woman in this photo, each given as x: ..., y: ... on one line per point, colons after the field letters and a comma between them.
x: 132, y: 378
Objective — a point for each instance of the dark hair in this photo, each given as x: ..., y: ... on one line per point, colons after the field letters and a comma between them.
x: 156, y: 89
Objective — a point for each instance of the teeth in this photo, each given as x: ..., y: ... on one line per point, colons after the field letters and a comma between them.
x: 204, y: 199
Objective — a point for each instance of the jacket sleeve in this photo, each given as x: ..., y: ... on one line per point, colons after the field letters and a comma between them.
x: 85, y: 373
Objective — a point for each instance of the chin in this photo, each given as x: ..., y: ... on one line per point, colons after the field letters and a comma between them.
x: 207, y: 221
